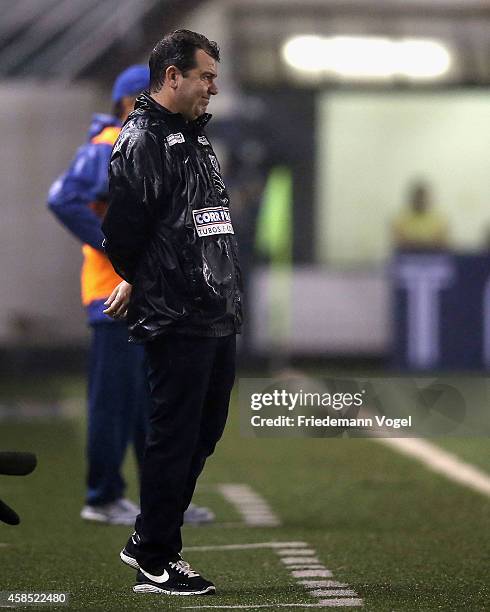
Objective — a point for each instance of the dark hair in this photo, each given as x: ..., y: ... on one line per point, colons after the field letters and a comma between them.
x: 178, y: 49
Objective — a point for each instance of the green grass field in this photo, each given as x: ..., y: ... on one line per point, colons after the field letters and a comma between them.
x: 401, y: 536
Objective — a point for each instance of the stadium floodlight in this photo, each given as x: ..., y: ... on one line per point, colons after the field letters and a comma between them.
x: 372, y: 57
x: 305, y: 53
x: 421, y: 59
x: 359, y: 57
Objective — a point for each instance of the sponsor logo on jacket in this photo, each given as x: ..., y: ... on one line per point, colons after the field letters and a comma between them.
x: 173, y: 139
x: 212, y: 221
x: 203, y: 141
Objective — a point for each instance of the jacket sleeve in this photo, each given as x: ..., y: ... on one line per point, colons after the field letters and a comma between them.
x: 85, y: 182
x: 135, y: 187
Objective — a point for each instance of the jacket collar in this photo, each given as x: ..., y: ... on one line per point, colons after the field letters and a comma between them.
x: 146, y: 103
x: 100, y: 122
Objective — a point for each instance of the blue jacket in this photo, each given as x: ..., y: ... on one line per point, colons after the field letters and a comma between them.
x: 75, y: 199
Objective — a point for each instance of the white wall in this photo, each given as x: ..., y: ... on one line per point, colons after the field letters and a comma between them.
x: 370, y: 148
x: 41, y: 126
x: 320, y: 312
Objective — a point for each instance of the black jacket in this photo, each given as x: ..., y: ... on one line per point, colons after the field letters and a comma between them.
x: 168, y: 228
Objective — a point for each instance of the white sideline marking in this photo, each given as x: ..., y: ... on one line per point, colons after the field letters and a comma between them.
x: 328, y: 603
x: 317, y: 573
x: 340, y: 596
x: 246, y: 546
x: 293, y: 560
x: 442, y: 462
x: 250, y: 505
x: 304, y: 566
x: 296, y: 551
x: 350, y: 602
x: 309, y: 566
x: 323, y: 583
x: 333, y: 593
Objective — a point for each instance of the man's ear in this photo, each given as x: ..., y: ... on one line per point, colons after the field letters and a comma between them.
x: 171, y: 76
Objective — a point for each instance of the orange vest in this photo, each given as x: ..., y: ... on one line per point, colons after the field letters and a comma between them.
x: 98, y: 278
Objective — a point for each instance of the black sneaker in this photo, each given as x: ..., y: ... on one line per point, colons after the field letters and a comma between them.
x: 128, y: 553
x: 177, y: 578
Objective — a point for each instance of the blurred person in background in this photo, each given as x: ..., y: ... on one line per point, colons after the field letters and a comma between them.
x: 118, y: 394
x: 246, y: 175
x: 169, y: 234
x: 419, y: 226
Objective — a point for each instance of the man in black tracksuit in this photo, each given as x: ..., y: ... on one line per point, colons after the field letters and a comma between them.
x: 169, y: 234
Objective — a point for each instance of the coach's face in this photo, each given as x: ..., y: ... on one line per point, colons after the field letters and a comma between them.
x: 195, y: 89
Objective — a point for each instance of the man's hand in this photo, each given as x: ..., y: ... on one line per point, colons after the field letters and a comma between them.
x: 117, y: 302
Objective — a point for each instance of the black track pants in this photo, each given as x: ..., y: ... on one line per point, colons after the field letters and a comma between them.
x: 190, y: 381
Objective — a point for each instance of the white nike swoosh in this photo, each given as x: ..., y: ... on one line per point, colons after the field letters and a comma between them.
x: 160, y: 579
